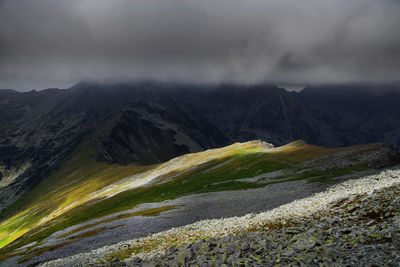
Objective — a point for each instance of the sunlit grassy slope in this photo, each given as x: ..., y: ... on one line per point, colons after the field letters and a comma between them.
x: 84, y: 189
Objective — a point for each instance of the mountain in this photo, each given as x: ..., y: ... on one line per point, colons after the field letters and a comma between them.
x: 123, y: 123
x: 264, y: 112
x: 88, y: 166
x: 150, y: 122
x: 362, y: 113
x: 331, y: 115
x: 87, y: 204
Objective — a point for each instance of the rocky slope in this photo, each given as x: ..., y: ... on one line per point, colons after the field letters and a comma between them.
x: 360, y: 230
x: 34, y: 138
x: 354, y: 223
x: 88, y: 204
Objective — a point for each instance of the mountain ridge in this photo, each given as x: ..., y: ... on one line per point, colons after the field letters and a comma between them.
x: 149, y: 122
x: 43, y: 129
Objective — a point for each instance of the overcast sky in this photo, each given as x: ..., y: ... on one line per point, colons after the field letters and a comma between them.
x: 54, y: 43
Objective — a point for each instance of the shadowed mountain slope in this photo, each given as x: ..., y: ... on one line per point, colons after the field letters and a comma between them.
x: 150, y: 122
x: 124, y: 124
x: 262, y: 112
x: 331, y: 116
x: 361, y: 113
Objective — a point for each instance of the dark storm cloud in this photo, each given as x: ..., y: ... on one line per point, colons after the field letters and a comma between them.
x: 55, y: 43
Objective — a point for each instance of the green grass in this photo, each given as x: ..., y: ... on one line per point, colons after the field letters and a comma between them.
x: 77, y: 178
x: 82, y: 175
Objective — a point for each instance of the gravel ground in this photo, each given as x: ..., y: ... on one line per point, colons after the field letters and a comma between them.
x: 362, y: 232
x: 349, y: 223
x: 194, y: 208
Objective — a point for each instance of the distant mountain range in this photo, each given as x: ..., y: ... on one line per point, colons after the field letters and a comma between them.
x: 148, y: 122
x: 331, y: 116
